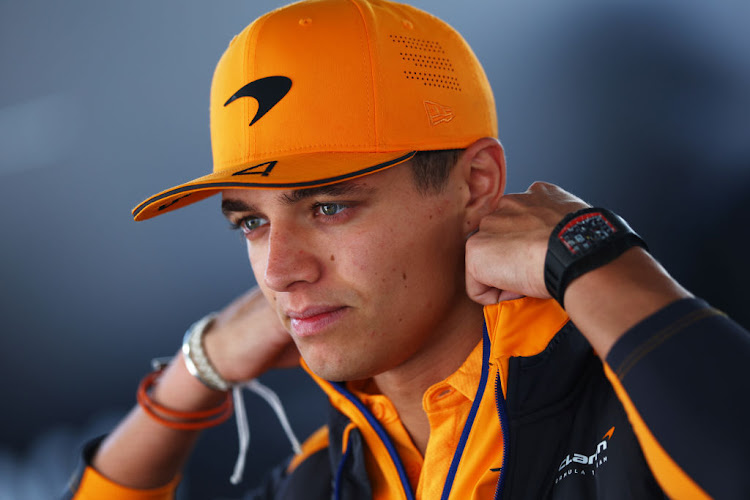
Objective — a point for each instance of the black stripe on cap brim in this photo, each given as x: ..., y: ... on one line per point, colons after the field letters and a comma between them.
x: 290, y: 185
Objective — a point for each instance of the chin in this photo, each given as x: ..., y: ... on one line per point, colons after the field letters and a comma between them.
x: 338, y: 372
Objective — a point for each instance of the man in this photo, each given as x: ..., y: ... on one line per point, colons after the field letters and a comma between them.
x: 355, y: 148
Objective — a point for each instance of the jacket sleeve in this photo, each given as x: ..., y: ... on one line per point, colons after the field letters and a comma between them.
x: 683, y: 376
x: 311, y: 464
x: 88, y: 484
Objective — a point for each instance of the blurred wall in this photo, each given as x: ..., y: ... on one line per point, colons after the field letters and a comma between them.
x: 642, y: 106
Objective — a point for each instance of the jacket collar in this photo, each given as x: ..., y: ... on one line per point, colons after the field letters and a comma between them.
x: 521, y: 327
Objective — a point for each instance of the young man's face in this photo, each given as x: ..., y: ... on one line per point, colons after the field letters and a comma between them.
x: 365, y: 274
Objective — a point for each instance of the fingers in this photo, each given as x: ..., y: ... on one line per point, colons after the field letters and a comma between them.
x: 479, y: 292
x: 505, y: 258
x: 248, y: 339
x: 485, y: 295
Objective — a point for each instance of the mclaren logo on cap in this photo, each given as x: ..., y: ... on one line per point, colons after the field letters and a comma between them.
x: 267, y: 91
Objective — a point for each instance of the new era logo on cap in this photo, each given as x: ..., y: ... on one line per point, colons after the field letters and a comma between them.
x: 437, y: 113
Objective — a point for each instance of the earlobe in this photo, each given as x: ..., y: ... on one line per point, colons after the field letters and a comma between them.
x: 483, y: 167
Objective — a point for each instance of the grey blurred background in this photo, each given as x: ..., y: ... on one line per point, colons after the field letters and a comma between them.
x: 641, y: 105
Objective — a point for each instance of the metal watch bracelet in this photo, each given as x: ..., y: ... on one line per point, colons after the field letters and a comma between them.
x: 197, y: 361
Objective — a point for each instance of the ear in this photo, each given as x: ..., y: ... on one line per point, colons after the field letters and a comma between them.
x: 483, y: 168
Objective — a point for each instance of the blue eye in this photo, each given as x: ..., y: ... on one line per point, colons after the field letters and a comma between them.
x: 330, y: 209
x: 249, y: 224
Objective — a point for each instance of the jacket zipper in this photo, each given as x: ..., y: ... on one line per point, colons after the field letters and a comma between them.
x: 503, y: 415
x: 448, y: 486
x: 339, y: 473
x: 396, y: 460
x: 382, y: 434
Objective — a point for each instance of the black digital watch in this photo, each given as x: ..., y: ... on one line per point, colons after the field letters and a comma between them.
x: 583, y: 241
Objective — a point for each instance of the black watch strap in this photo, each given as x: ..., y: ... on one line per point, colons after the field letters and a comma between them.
x: 583, y: 241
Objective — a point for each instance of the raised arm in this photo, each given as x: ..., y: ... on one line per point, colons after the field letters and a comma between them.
x: 679, y: 367
x: 506, y: 258
x: 244, y: 340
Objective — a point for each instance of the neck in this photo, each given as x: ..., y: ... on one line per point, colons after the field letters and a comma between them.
x: 450, y: 344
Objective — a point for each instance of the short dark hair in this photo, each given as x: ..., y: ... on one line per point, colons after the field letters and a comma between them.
x: 430, y: 169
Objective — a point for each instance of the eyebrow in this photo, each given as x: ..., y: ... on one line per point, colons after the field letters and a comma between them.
x: 341, y: 189
x: 230, y: 205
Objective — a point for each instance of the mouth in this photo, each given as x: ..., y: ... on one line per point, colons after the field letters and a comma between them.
x: 314, y: 320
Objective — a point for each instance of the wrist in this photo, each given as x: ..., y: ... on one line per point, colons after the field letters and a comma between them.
x: 235, y: 356
x: 180, y: 390
x: 196, y: 358
x: 218, y: 348
x: 582, y: 242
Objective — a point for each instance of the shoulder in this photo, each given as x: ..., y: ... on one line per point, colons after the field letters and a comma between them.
x: 316, y: 442
x: 305, y: 475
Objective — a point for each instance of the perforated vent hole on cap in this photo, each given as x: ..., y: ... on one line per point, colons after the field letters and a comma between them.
x: 305, y: 21
x: 425, y: 62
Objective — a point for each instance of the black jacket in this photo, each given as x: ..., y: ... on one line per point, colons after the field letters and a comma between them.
x: 568, y: 435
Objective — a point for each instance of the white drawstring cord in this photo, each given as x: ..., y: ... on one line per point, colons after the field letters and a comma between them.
x: 273, y: 400
x: 243, y: 429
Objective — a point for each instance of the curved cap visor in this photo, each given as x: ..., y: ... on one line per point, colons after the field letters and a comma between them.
x: 295, y: 172
x: 322, y: 91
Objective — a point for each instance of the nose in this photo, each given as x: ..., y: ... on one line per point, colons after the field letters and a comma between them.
x: 290, y: 260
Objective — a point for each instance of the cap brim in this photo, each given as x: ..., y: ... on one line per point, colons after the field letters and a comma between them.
x: 288, y: 172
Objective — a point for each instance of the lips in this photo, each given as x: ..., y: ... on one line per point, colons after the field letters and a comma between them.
x: 314, y: 320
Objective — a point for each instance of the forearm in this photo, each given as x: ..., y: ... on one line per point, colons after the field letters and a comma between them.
x: 143, y: 453
x: 244, y: 341
x: 680, y: 375
x: 608, y: 301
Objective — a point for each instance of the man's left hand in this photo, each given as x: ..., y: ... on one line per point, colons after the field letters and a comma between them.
x: 505, y: 257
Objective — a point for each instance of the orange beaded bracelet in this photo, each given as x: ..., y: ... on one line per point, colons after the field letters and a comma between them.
x: 183, y: 420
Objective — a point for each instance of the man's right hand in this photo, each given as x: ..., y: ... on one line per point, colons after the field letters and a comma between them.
x: 246, y: 339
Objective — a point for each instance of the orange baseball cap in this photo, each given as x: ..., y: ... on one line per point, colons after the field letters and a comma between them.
x: 323, y: 91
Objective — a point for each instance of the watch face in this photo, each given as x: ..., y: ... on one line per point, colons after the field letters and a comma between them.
x: 585, y: 232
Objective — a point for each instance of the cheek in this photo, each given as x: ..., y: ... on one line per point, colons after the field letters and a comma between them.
x: 358, y: 267
x: 412, y: 258
x: 354, y: 261
x: 258, y: 259
x: 252, y: 256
